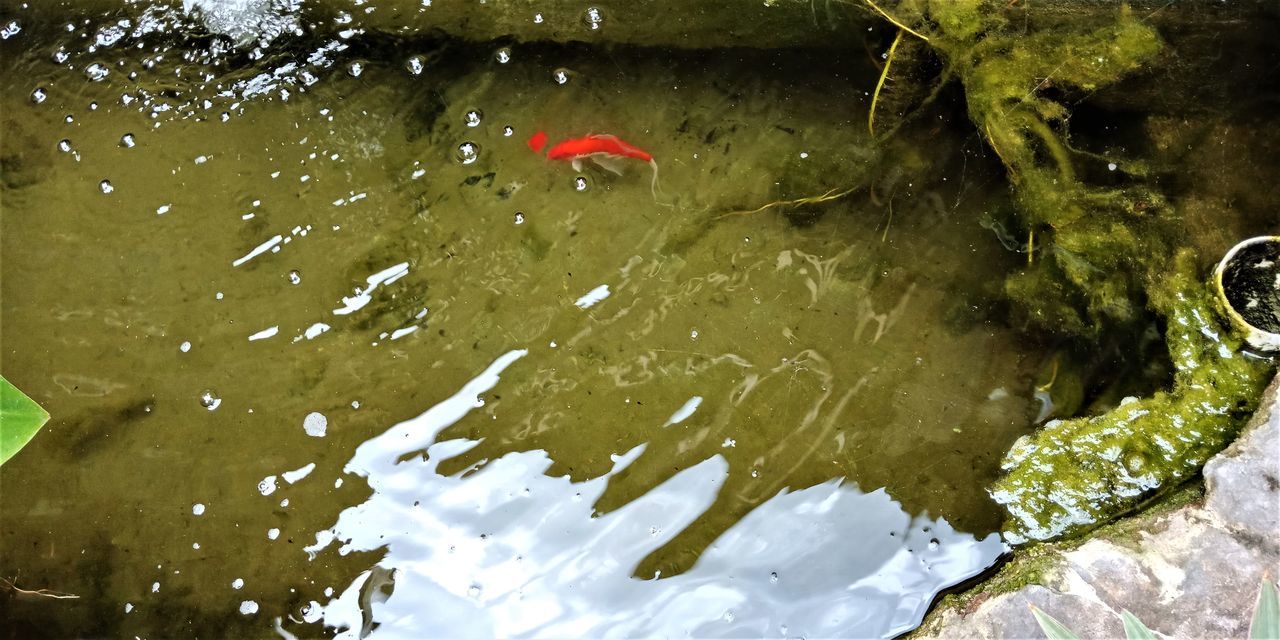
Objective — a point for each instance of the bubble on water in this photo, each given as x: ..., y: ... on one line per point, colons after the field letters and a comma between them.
x: 248, y: 607
x: 312, y: 612
x: 755, y: 473
x: 593, y: 18
x: 355, y: 69
x: 105, y: 186
x: 1111, y: 166
x: 237, y: 584
x: 315, y: 424
x: 155, y: 587
x: 581, y: 183
x: 561, y: 75
x: 273, y: 533
x: 184, y: 347
x: 60, y: 56
x: 502, y: 55
x: 295, y: 277
x: 64, y: 145
x: 537, y: 18
x: 773, y: 577
x: 934, y: 544
x: 69, y: 119
x: 508, y: 131
x: 519, y: 217
x: 728, y: 616
x: 11, y: 29
x: 474, y: 591
x: 93, y: 106
x: 97, y: 72
x: 197, y: 509
x: 267, y: 485
x: 39, y: 95
x: 468, y: 152
x: 473, y: 117
x: 127, y: 141
x: 209, y: 400
x: 415, y: 64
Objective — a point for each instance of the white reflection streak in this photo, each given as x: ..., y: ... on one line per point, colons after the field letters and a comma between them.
x: 313, y: 331
x: 259, y: 250
x: 592, y: 297
x: 684, y: 411
x: 294, y: 476
x: 265, y: 333
x: 364, y: 297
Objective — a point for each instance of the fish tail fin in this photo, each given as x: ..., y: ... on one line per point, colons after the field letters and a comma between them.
x: 653, y: 184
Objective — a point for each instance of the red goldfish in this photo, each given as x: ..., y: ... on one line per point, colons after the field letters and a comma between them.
x: 602, y: 149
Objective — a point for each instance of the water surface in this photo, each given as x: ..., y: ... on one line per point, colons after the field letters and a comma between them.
x: 328, y: 348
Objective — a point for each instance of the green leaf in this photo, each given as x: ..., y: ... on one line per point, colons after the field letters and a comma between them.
x: 20, y: 418
x: 1134, y: 629
x: 1266, y: 617
x: 1053, y: 630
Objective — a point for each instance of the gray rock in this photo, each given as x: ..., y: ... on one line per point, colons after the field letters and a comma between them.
x: 1244, y: 481
x: 1192, y: 572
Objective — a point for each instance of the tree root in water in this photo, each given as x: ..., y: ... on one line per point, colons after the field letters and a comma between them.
x: 10, y: 584
x: 833, y: 194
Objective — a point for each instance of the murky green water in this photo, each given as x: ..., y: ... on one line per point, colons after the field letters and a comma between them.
x: 201, y: 259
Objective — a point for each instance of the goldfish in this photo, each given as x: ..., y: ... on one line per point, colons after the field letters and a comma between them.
x: 605, y: 150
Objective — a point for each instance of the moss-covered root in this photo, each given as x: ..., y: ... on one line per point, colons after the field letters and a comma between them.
x: 1075, y: 474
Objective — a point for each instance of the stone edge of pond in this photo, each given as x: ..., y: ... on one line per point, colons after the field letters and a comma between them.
x: 1189, y: 567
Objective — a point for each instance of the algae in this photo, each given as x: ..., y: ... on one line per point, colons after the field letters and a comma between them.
x: 1100, y: 259
x: 1074, y: 474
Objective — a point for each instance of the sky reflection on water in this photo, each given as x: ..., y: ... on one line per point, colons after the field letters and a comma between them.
x: 508, y: 551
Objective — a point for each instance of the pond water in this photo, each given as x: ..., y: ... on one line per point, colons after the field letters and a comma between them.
x: 329, y: 349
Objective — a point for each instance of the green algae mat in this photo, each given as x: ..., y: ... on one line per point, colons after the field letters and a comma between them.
x: 332, y: 349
